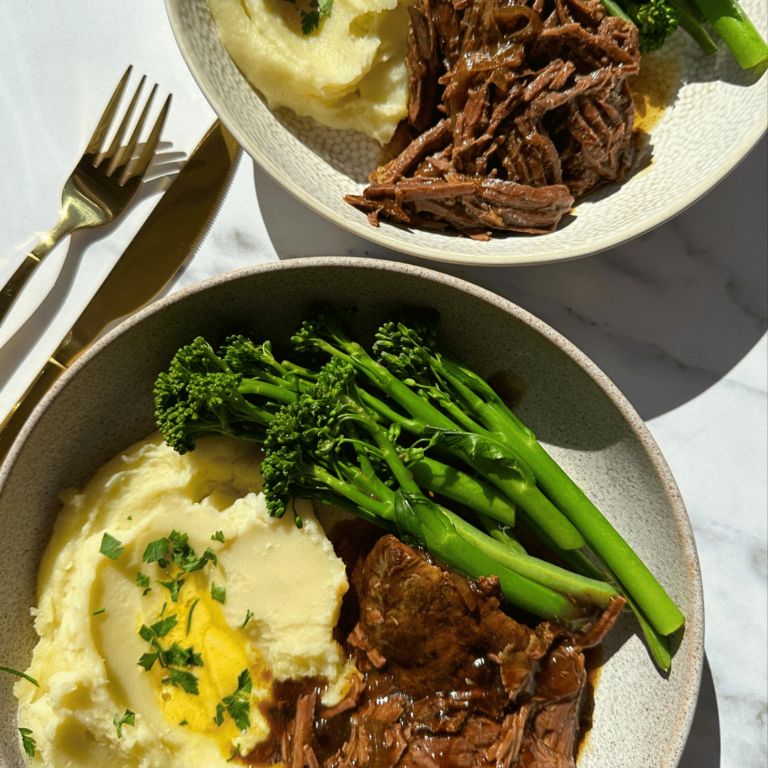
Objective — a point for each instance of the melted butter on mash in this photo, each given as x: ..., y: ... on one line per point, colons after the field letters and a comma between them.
x: 350, y: 74
x: 96, y: 623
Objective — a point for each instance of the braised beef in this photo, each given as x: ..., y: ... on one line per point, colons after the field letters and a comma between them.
x: 518, y: 108
x: 448, y: 679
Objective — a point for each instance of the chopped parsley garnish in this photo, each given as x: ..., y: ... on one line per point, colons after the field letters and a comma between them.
x: 173, y: 587
x: 148, y: 660
x: 143, y: 582
x: 20, y: 674
x: 238, y: 704
x: 219, y: 593
x: 176, y: 548
x: 163, y: 627
x: 218, y: 536
x: 100, y: 610
x: 183, y: 722
x: 248, y: 617
x: 183, y: 657
x: 27, y: 741
x: 156, y: 551
x: 111, y: 547
x: 189, y: 616
x: 234, y: 754
x: 165, y: 605
x: 129, y: 718
x: 185, y: 680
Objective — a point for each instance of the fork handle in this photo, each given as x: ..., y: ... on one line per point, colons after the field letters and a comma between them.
x: 11, y: 290
x: 15, y: 420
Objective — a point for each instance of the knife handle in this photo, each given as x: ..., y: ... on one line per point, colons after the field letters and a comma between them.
x: 20, y: 412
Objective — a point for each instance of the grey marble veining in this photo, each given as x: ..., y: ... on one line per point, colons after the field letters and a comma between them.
x: 677, y: 318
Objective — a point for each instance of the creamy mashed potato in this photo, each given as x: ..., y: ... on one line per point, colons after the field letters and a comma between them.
x: 349, y: 74
x: 93, y: 612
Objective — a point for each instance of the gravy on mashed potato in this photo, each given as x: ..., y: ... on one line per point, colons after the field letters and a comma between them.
x: 287, y: 582
x: 349, y: 74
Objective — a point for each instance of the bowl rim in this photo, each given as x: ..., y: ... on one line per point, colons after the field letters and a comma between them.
x: 386, y: 234
x: 694, y: 627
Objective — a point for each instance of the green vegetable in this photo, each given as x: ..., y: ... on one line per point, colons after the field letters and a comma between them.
x: 736, y: 31
x: 20, y: 674
x: 99, y: 611
x: 238, y: 705
x: 143, y: 581
x: 184, y: 680
x: 27, y: 742
x: 111, y: 547
x: 409, y: 348
x: 189, y: 616
x: 655, y: 20
x: 218, y: 593
x: 173, y: 587
x: 375, y: 434
x: 317, y: 444
x: 218, y: 536
x: 248, y: 617
x: 129, y: 718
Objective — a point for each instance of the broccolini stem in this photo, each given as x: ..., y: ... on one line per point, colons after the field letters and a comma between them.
x: 736, y: 30
x: 687, y: 18
x: 579, y: 587
x: 500, y: 532
x: 458, y: 486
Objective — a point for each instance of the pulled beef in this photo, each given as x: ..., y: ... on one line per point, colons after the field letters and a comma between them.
x: 519, y: 108
x: 447, y: 678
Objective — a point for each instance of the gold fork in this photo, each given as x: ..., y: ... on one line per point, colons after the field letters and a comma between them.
x: 97, y: 192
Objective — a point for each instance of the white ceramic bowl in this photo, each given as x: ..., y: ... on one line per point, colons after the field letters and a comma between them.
x: 103, y: 404
x: 718, y: 114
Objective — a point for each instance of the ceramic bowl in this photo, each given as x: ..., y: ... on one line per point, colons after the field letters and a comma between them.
x: 103, y: 404
x: 716, y: 114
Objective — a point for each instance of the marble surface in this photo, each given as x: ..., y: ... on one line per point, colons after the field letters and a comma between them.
x: 676, y: 318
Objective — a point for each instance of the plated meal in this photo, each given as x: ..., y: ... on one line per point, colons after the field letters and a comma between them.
x: 503, y: 114
x: 195, y: 608
x: 477, y: 172
x: 268, y: 647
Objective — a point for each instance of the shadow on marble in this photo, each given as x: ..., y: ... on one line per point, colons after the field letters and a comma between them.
x: 665, y: 316
x: 703, y: 747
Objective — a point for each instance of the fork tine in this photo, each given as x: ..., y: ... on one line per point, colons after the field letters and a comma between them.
x: 126, y: 153
x: 120, y: 134
x: 109, y: 113
x: 139, y: 166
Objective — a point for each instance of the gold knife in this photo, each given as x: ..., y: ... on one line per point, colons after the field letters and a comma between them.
x: 168, y: 236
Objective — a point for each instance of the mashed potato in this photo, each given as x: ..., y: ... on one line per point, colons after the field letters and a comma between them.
x: 99, y: 615
x: 350, y: 74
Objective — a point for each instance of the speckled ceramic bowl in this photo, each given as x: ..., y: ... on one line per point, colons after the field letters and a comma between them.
x: 717, y: 114
x: 104, y: 404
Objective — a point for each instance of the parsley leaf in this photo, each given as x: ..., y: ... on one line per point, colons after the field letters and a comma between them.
x: 218, y: 536
x: 234, y: 754
x: 326, y: 6
x: 309, y: 22
x: 183, y: 657
x: 248, y: 617
x: 184, y: 680
x: 219, y: 593
x: 129, y: 718
x: 173, y: 587
x: 20, y: 674
x: 189, y: 616
x: 163, y: 627
x: 183, y: 722
x: 142, y: 581
x: 156, y: 551
x: 97, y: 612
x: 239, y: 703
x: 111, y: 547
x: 219, y: 714
x: 148, y: 660
x: 27, y: 741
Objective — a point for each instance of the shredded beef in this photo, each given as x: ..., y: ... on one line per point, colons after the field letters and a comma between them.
x: 447, y: 678
x: 518, y: 108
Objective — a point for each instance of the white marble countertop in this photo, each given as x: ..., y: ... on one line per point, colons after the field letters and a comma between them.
x: 676, y: 318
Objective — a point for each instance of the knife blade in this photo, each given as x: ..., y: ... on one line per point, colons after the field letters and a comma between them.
x: 162, y: 245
